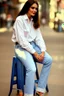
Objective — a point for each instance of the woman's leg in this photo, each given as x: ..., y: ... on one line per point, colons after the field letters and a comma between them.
x: 44, y: 73
x: 45, y: 70
x: 27, y: 60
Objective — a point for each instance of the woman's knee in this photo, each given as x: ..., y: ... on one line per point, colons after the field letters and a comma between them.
x: 50, y: 59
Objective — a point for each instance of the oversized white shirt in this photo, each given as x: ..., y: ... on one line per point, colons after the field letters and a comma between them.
x: 24, y: 33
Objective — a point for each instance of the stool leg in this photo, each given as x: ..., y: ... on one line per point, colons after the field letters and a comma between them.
x: 12, y: 76
x: 47, y: 89
x: 20, y: 75
x: 37, y: 75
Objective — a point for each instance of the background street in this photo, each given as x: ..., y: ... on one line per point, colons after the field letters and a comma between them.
x: 55, y: 47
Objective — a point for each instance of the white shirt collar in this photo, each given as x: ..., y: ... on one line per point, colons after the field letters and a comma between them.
x: 26, y: 17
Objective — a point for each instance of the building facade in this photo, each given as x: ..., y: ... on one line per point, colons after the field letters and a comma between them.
x: 9, y: 9
x: 56, y: 15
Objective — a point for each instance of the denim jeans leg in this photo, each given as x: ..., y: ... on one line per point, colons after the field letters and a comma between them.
x: 44, y: 73
x: 45, y: 69
x: 27, y: 60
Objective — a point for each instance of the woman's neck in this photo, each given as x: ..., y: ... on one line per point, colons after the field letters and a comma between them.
x: 29, y: 16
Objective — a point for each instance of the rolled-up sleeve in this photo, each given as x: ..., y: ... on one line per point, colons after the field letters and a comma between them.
x: 19, y: 31
x: 40, y: 41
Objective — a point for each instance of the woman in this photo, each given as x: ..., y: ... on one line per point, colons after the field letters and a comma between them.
x: 29, y: 45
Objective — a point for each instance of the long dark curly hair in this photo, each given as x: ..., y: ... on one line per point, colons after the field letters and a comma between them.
x: 25, y: 9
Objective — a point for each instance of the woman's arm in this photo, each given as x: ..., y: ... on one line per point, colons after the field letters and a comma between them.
x: 40, y: 41
x: 19, y: 31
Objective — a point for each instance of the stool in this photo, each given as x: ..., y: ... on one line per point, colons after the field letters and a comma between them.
x: 18, y: 71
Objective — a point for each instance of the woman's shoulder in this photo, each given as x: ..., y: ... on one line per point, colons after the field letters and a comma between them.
x: 20, y: 17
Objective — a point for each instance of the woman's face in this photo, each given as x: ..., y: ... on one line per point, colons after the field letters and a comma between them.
x: 33, y: 9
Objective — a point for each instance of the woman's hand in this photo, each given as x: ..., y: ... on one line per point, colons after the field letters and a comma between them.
x: 39, y: 57
x: 42, y: 55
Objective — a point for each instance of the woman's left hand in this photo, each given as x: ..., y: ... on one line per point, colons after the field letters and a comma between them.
x: 42, y: 55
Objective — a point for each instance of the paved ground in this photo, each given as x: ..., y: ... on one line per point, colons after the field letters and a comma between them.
x: 55, y: 47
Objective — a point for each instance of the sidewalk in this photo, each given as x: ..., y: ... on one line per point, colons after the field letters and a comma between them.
x: 55, y: 47
x: 3, y: 30
x: 45, y: 30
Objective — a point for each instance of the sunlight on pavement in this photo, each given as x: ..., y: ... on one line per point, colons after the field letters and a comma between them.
x: 3, y: 30
x: 56, y: 58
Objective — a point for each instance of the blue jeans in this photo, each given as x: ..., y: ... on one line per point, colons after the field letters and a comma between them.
x: 28, y: 61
